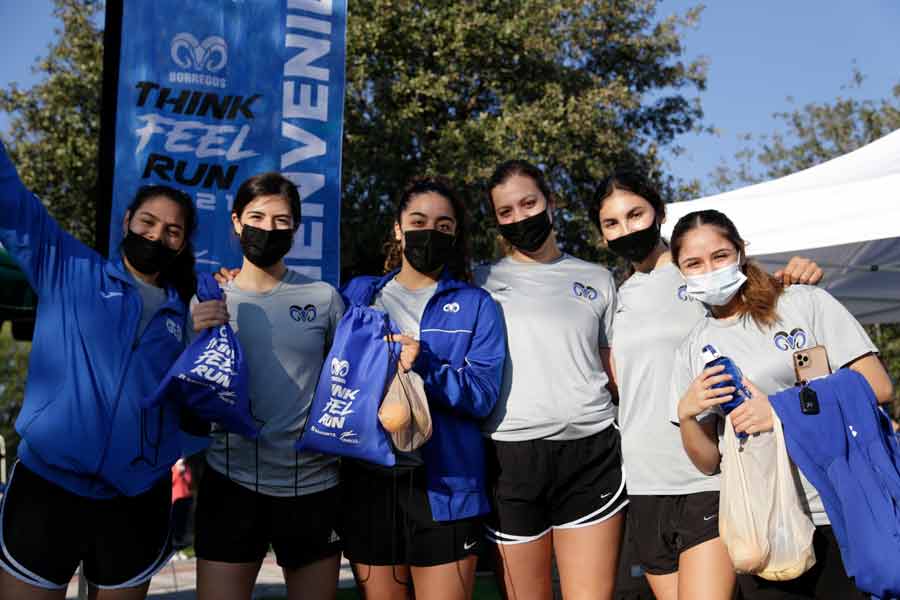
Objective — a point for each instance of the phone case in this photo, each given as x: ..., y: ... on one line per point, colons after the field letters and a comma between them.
x: 811, y: 363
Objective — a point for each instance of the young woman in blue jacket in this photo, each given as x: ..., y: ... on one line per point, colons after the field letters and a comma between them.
x: 92, y: 484
x: 418, y: 523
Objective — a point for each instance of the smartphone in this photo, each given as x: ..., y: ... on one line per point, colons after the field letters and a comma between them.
x: 811, y: 363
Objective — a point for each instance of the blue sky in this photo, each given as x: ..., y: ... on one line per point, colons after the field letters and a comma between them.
x: 760, y: 52
x: 763, y: 51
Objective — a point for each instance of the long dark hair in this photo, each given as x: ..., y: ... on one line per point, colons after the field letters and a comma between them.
x: 460, y: 261
x: 759, y: 294
x: 180, y: 272
x: 626, y: 180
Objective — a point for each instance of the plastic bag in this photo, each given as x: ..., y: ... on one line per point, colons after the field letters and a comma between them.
x: 210, y: 378
x: 343, y: 418
x: 761, y: 519
x: 404, y: 413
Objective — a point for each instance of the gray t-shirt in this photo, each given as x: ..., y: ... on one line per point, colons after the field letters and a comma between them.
x: 405, y: 307
x: 557, y: 318
x: 285, y: 334
x: 807, y: 317
x: 152, y: 298
x: 653, y: 317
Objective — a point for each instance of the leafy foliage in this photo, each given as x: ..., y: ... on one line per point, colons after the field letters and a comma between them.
x: 13, y: 368
x: 456, y: 87
x: 55, y: 125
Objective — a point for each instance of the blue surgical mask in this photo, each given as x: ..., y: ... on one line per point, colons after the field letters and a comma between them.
x: 718, y: 287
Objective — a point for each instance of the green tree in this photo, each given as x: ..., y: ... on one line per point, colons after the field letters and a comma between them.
x: 454, y: 88
x: 576, y: 86
x: 55, y: 125
x: 813, y: 134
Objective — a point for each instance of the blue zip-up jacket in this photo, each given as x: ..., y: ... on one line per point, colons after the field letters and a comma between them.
x: 81, y: 425
x: 461, y: 362
x: 850, y: 454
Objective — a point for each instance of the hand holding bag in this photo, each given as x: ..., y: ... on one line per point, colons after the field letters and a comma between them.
x: 405, y: 413
x: 210, y: 378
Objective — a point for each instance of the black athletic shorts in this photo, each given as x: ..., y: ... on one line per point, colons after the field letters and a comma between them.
x: 663, y: 527
x: 826, y: 580
x: 47, y: 531
x: 234, y: 524
x: 386, y: 520
x: 539, y: 485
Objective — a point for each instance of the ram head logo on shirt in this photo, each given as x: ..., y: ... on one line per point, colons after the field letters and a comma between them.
x: 794, y: 340
x: 584, y: 291
x: 305, y: 314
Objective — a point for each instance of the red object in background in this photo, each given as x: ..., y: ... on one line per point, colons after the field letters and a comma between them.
x: 181, y: 480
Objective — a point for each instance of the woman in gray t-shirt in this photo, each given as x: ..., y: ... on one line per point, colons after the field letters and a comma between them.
x: 673, y: 511
x: 257, y: 494
x: 758, y: 325
x: 557, y: 482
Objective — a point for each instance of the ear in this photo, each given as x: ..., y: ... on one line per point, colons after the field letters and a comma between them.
x: 398, y: 233
x: 236, y: 224
x: 125, y: 221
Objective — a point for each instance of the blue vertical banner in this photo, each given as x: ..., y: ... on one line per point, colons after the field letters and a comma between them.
x: 211, y: 92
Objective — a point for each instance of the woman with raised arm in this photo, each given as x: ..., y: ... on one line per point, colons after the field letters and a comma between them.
x: 92, y: 483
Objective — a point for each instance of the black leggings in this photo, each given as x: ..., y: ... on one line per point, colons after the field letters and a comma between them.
x: 827, y: 580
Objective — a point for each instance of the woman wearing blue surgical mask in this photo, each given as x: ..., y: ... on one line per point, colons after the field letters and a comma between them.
x: 92, y: 485
x: 418, y: 524
x: 758, y: 323
x: 257, y: 494
x: 673, y: 511
x: 557, y: 483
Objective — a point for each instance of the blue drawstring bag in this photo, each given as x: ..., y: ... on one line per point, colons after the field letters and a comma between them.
x: 210, y: 377
x: 343, y: 417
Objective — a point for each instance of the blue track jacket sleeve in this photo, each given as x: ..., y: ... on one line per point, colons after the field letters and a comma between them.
x: 473, y: 388
x: 31, y: 236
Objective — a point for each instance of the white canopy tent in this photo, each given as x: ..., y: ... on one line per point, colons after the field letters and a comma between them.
x: 844, y: 214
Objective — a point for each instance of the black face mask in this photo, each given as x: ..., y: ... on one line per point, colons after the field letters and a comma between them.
x: 637, y: 245
x: 265, y: 247
x: 147, y: 256
x: 427, y: 250
x: 528, y: 234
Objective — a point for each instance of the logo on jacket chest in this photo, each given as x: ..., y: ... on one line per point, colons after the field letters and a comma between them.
x: 795, y: 340
x: 175, y: 329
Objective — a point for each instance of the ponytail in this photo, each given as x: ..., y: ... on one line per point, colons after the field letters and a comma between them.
x: 759, y: 295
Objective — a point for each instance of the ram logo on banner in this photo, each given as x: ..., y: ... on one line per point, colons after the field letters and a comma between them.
x: 212, y: 92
